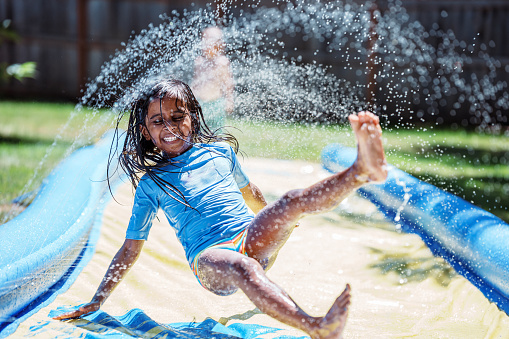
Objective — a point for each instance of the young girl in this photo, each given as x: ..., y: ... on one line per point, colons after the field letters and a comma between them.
x: 199, y: 184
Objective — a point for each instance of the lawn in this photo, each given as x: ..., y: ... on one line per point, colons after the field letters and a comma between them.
x: 34, y: 137
x: 471, y: 165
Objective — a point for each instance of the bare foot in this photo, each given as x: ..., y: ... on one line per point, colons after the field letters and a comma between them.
x: 370, y: 164
x: 332, y: 325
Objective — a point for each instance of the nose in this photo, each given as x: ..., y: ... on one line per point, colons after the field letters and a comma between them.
x: 168, y: 125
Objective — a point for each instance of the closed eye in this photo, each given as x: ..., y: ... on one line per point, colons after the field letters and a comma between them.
x: 176, y: 117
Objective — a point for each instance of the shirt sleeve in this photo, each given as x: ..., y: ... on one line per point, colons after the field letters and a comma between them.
x: 240, y: 176
x: 144, y: 211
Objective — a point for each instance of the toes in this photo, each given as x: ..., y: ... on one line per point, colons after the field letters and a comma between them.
x: 344, y: 299
x: 368, y: 117
x: 354, y: 121
x: 365, y: 118
x: 362, y: 117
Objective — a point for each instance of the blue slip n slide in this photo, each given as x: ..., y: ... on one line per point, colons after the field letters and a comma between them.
x: 45, y: 247
x: 474, y: 242
x: 136, y: 324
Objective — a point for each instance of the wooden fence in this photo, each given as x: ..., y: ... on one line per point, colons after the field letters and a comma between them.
x: 71, y: 39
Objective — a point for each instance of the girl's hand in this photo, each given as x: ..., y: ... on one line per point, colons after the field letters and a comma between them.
x: 83, y: 310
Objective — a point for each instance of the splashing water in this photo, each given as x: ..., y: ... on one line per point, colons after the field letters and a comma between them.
x: 278, y: 58
x: 406, y: 198
x: 313, y: 63
x: 276, y: 79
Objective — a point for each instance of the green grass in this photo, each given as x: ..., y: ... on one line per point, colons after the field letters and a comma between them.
x: 34, y: 137
x: 471, y: 165
x: 287, y: 141
x: 44, y: 121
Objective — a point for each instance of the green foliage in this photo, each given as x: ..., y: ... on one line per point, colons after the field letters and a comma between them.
x: 18, y: 71
x: 6, y: 33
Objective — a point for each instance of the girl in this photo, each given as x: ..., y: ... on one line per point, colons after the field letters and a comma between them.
x: 205, y: 195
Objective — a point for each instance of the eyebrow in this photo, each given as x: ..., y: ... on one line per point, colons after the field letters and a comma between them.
x: 154, y: 116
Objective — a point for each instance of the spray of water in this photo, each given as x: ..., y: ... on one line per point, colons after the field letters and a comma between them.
x: 278, y: 76
x: 290, y: 64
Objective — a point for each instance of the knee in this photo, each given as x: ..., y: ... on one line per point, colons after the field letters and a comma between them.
x: 247, y: 269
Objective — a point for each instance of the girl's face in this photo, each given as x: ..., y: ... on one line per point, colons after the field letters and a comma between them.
x: 168, y: 126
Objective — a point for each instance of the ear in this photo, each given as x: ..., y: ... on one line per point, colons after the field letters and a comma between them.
x: 145, y: 132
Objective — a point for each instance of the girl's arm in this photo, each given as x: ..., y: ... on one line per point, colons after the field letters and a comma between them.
x: 253, y: 197
x: 120, y: 265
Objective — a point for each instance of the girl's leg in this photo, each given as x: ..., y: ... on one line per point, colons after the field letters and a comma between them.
x: 273, y: 225
x: 223, y: 271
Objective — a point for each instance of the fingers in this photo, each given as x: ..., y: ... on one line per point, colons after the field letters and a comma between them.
x: 346, y: 292
x: 70, y: 315
x: 344, y: 298
x: 84, y: 310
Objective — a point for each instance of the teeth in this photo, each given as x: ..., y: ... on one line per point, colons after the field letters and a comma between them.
x: 170, y: 139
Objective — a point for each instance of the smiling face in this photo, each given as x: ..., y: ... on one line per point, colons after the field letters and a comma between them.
x: 168, y: 126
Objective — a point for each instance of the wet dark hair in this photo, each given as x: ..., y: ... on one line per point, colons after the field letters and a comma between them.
x: 140, y: 156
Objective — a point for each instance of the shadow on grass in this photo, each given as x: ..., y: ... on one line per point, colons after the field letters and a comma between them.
x: 413, y: 265
x: 25, y: 140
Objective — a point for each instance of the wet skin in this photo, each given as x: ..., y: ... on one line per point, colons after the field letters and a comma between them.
x: 168, y: 125
x: 224, y: 271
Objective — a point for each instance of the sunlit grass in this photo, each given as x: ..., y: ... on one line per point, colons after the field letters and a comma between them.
x: 19, y: 163
x: 44, y: 120
x: 288, y: 141
x: 471, y: 165
x: 35, y: 136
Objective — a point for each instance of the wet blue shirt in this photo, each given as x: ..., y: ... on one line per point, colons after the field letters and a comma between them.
x: 209, y: 176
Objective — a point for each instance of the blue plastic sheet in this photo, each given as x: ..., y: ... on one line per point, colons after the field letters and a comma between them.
x: 136, y: 323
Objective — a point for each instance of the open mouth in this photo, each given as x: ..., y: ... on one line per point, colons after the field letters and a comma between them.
x: 169, y: 139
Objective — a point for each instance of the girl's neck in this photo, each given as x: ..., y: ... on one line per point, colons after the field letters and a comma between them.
x: 183, y: 152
